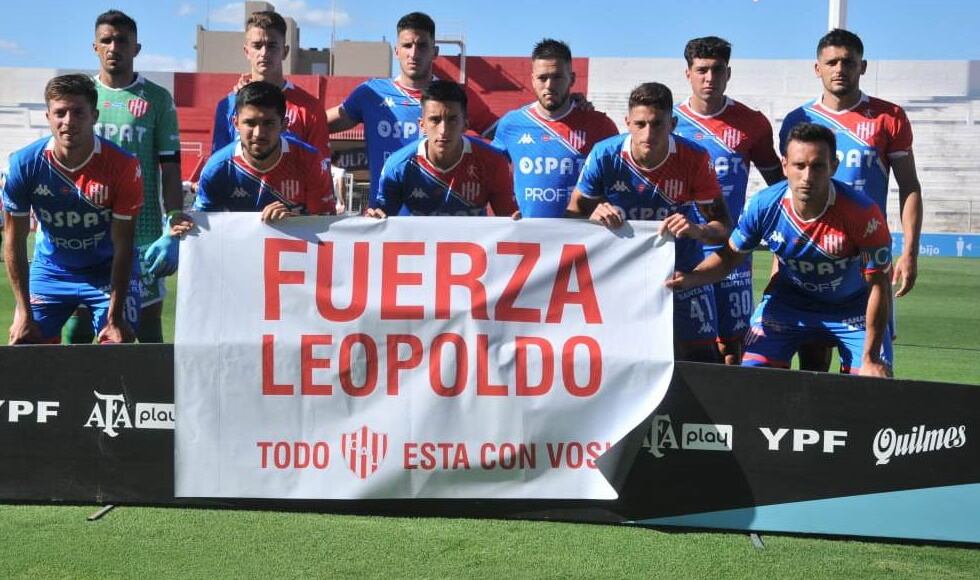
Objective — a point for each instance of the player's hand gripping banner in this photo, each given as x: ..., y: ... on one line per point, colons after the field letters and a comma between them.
x: 330, y: 358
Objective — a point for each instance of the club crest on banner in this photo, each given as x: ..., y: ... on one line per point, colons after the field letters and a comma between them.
x: 364, y: 451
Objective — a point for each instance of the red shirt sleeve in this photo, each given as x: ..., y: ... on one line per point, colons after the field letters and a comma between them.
x: 318, y: 186
x: 128, y: 189
x: 900, y: 133
x: 869, y: 230
x: 501, y: 196
x: 704, y: 183
x: 763, y: 152
x: 317, y: 133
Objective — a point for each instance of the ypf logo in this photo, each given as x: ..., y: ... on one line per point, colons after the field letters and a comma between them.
x: 364, y: 451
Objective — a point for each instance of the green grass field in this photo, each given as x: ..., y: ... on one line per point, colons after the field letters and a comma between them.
x: 939, y: 340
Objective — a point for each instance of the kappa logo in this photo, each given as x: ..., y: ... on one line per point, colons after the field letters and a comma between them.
x: 776, y: 239
x: 418, y: 193
x: 42, y: 191
x: 873, y: 226
x: 388, y: 102
x: 865, y: 130
x: 526, y: 139
x: 706, y: 328
x: 364, y: 451
x: 97, y: 193
x: 239, y: 193
x: 740, y: 325
x: 138, y: 107
x: 620, y: 187
x: 576, y: 138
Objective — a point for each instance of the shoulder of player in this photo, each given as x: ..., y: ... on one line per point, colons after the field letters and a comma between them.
x: 686, y: 148
x: 404, y: 154
x: 155, y: 91
x: 25, y: 155
x: 769, y: 196
x: 299, y: 97
x: 878, y: 107
x: 221, y: 157
x: 610, y: 145
x: 300, y: 147
x: 113, y: 152
x: 484, y: 148
x: 848, y: 197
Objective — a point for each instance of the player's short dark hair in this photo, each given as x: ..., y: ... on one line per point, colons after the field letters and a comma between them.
x: 116, y: 19
x: 813, y: 133
x: 73, y: 85
x: 653, y: 95
x: 266, y: 20
x: 843, y: 38
x: 417, y: 21
x: 551, y: 49
x: 707, y: 47
x: 261, y: 94
x: 444, y: 92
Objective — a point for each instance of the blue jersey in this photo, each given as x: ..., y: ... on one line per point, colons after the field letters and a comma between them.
x: 390, y: 113
x: 547, y: 154
x: 300, y: 180
x: 869, y: 136
x: 74, y: 207
x: 479, y: 178
x: 683, y: 179
x: 822, y: 261
x: 733, y: 137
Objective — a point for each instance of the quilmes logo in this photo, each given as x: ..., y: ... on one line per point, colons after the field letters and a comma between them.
x: 111, y: 414
x: 364, y: 451
x: 693, y: 436
x: 888, y: 444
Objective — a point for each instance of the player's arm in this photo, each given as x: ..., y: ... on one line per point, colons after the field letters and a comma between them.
x: 876, y: 318
x: 116, y: 328
x: 338, y: 120
x: 712, y: 269
x: 501, y: 197
x: 597, y: 209
x: 772, y: 174
x: 910, y: 204
x: 388, y: 200
x: 23, y: 330
x: 715, y: 231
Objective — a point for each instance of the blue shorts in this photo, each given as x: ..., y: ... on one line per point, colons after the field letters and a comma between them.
x: 733, y: 302
x: 778, y: 329
x: 57, y: 292
x: 695, y: 321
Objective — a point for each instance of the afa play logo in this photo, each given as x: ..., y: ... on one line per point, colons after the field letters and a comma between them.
x: 112, y: 415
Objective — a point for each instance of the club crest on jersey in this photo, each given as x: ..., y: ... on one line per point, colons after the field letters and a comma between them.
x: 468, y: 190
x: 673, y: 188
x: 364, y: 451
x: 290, y: 117
x: 138, y: 107
x: 97, y: 193
x: 865, y: 130
x: 833, y: 243
x: 576, y: 138
x: 290, y: 189
x: 731, y: 137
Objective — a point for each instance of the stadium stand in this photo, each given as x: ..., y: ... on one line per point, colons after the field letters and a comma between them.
x: 942, y: 99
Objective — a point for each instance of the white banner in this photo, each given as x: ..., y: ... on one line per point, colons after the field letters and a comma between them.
x: 342, y: 358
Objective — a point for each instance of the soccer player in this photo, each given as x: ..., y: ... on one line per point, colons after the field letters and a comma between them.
x: 139, y: 116
x: 266, y: 49
x: 446, y: 172
x: 650, y: 174
x: 834, y: 253
x: 548, y: 140
x: 86, y: 194
x: 265, y: 169
x: 873, y: 137
x: 734, y: 136
x: 390, y: 108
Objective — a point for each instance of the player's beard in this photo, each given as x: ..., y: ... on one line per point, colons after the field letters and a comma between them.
x: 268, y: 154
x: 556, y: 105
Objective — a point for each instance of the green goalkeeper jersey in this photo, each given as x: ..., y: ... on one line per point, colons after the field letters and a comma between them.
x: 141, y: 118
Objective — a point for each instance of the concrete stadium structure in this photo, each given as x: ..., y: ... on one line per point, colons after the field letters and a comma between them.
x: 942, y: 99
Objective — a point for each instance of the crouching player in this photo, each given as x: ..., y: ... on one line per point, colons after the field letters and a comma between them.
x: 264, y: 169
x: 85, y: 193
x: 834, y: 251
